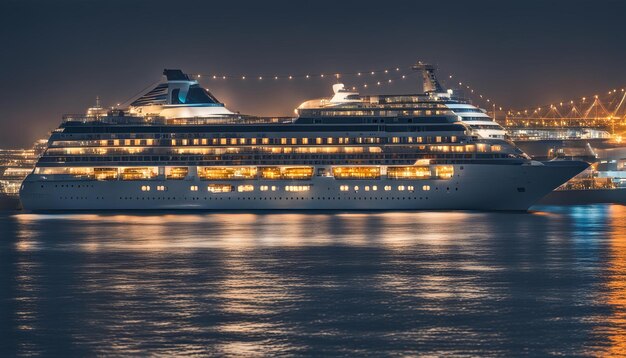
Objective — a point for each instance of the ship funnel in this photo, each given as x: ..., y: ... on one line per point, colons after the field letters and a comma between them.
x: 429, y: 79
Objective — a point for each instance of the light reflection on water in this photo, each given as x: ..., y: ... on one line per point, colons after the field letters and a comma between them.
x: 548, y: 282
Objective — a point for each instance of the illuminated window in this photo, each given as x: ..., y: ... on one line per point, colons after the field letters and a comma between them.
x: 453, y: 139
x: 395, y: 140
x: 283, y: 140
x: 265, y: 141
x: 496, y: 148
x: 161, y: 188
x: 253, y: 141
x: 263, y: 187
x: 223, y: 173
x: 176, y: 173
x: 145, y: 188
x: 305, y: 140
x: 329, y: 140
x: 356, y: 172
x: 444, y: 171
x: 438, y: 139
x: 374, y: 188
x: 223, y: 141
x: 401, y: 187
x: 204, y: 141
x: 173, y: 142
x: 297, y: 188
x: 138, y: 173
x: 242, y: 140
x: 410, y: 172
x: 344, y: 188
x: 244, y: 188
x: 219, y: 188
x: 273, y: 188
x: 410, y: 188
x: 426, y: 187
x: 318, y: 140
x: 387, y: 187
x: 196, y: 141
x: 356, y: 188
x: 294, y: 140
x: 367, y: 188
x: 193, y: 188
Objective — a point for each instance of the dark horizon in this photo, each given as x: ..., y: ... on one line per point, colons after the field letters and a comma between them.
x: 59, y: 56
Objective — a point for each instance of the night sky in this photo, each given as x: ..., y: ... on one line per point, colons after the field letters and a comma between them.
x: 57, y: 56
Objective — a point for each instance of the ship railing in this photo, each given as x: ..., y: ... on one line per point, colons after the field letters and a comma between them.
x: 82, y: 118
x: 230, y: 120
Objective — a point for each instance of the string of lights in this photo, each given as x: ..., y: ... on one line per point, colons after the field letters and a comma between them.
x: 296, y: 76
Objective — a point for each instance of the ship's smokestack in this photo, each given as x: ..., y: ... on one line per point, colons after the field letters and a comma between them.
x: 429, y: 79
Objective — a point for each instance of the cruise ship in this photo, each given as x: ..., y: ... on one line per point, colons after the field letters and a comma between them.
x: 178, y: 147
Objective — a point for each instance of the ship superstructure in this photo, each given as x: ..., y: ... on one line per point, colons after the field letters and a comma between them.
x: 476, y: 118
x: 178, y: 147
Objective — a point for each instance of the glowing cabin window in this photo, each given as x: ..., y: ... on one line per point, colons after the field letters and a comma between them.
x: 245, y: 188
x: 374, y: 188
x: 297, y: 173
x: 219, y: 188
x: 193, y: 188
x: 264, y: 188
x: 444, y: 171
x: 426, y: 187
x: 356, y: 172
x: 496, y: 148
x: 224, y: 173
x: 297, y: 188
x: 274, y: 188
x: 161, y: 188
x: 138, y: 173
x: 105, y: 173
x: 409, y: 172
x: 356, y: 188
x: 305, y: 140
x: 344, y: 188
x: 287, y: 173
x: 145, y: 188
x: 265, y: 141
x: 395, y: 140
x: 283, y: 140
x: 176, y: 173
x: 270, y: 172
x: 367, y: 188
x: 481, y: 148
x: 401, y: 187
x: 387, y: 187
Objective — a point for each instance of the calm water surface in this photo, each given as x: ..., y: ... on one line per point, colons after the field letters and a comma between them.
x: 550, y: 282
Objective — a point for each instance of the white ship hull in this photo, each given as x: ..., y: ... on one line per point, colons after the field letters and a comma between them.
x: 473, y: 187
